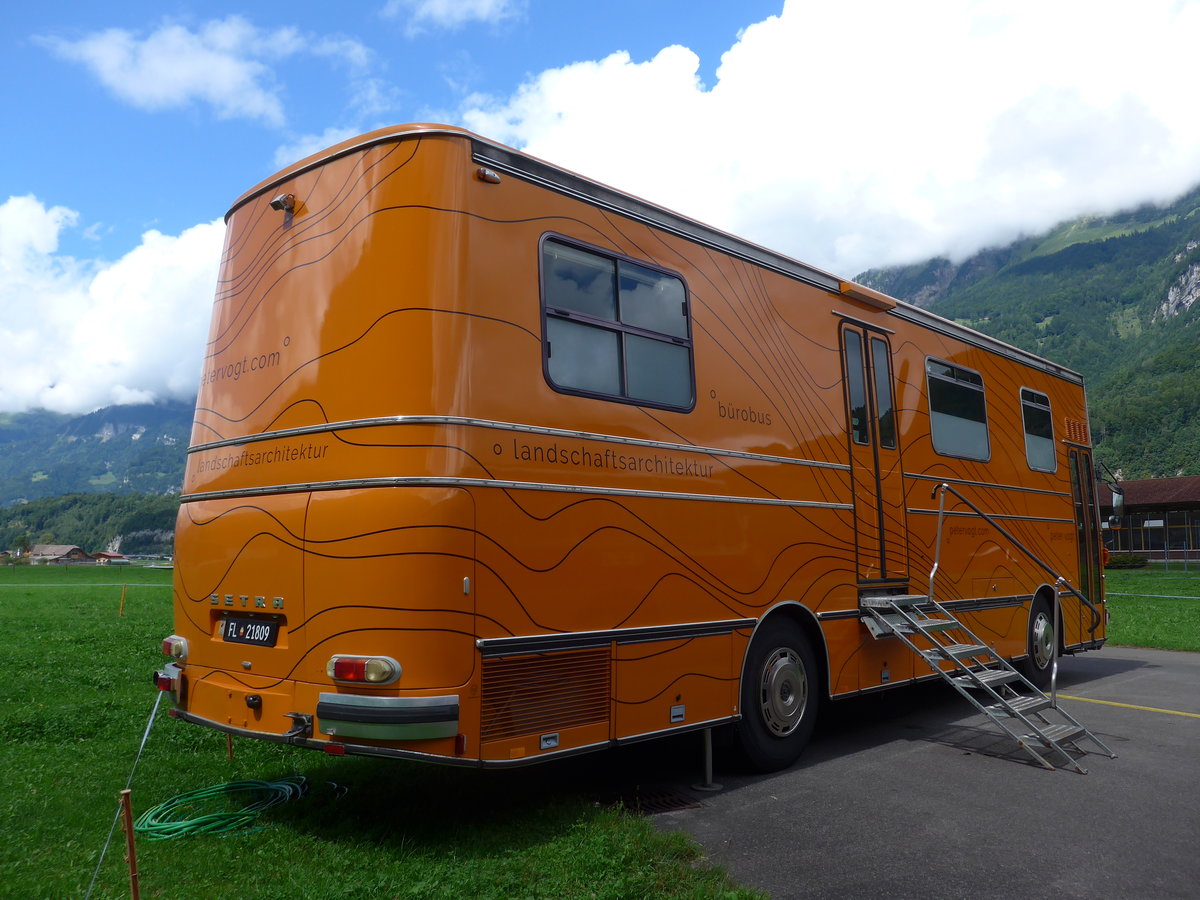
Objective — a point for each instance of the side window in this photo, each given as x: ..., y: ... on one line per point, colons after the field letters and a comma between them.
x: 881, y: 365
x: 615, y: 329
x: 1039, y: 431
x: 957, y: 411
x: 856, y: 385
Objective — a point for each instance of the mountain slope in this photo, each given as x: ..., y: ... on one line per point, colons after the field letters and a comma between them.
x: 119, y: 449
x: 1114, y: 298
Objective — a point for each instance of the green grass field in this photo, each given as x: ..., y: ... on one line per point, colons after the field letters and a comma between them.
x: 77, y: 697
x: 74, y: 705
x: 1153, y: 608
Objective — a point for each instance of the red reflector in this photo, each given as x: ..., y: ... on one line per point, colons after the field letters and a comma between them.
x: 335, y: 749
x: 460, y: 744
x: 350, y: 668
x: 163, y: 681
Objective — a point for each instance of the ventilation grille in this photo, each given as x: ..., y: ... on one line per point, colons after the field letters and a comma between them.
x: 548, y: 692
x: 1077, y: 431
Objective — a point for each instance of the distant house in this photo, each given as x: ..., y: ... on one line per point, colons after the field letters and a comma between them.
x: 1159, y: 513
x: 111, y: 559
x: 58, y: 555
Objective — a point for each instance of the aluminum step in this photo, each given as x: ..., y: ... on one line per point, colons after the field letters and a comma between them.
x: 930, y: 625
x: 887, y: 601
x: 957, y: 651
x: 990, y: 677
x: 883, y: 625
x: 1020, y: 706
x: 1056, y: 734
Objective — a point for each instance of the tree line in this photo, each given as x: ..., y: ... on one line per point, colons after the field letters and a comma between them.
x: 145, y: 522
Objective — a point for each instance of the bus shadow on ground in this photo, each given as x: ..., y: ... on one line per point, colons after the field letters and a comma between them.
x: 422, y: 806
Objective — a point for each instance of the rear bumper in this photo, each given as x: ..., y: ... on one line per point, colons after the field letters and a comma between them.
x: 388, y: 718
x: 336, y: 748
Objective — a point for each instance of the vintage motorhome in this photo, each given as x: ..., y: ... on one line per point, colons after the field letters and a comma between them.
x: 492, y: 463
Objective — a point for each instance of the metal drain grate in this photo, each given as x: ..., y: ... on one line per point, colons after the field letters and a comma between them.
x: 652, y: 801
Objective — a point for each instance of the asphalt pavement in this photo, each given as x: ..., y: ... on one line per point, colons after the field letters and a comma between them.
x: 912, y: 793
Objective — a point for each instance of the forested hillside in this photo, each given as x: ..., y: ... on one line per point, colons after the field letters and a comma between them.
x: 95, y: 522
x: 119, y: 449
x: 1113, y: 298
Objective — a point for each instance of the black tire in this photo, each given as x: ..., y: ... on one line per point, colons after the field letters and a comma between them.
x: 779, y: 696
x: 1040, y: 642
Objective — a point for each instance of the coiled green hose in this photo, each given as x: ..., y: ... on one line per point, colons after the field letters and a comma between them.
x: 184, y: 815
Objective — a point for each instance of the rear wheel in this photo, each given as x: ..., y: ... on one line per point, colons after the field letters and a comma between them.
x: 1040, y: 642
x: 780, y: 695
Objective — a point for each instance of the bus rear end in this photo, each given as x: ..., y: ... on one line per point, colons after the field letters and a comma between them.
x: 324, y: 556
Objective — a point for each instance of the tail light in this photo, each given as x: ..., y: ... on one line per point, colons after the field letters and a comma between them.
x: 363, y: 669
x: 175, y: 647
x: 168, y: 678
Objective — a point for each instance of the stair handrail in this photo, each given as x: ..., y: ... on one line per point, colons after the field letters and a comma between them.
x: 1062, y: 580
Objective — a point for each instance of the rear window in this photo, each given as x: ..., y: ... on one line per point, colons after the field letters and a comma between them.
x: 615, y: 328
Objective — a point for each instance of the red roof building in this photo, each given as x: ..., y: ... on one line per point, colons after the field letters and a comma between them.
x: 1159, y: 512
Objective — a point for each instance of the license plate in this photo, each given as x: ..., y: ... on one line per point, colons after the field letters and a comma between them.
x: 238, y: 630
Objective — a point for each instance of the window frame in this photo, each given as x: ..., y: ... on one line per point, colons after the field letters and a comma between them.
x: 614, y: 326
x: 981, y: 387
x: 1025, y: 431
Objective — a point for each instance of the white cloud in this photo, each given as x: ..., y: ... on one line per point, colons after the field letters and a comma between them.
x: 223, y: 64
x: 308, y: 144
x: 859, y: 134
x: 452, y: 14
x: 82, y: 335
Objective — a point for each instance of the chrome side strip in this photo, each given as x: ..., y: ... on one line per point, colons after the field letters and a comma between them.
x: 465, y: 421
x: 582, y: 640
x: 985, y: 484
x: 351, y: 484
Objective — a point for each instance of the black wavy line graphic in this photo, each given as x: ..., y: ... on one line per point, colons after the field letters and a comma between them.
x: 366, y: 333
x: 200, y: 598
x: 413, y: 207
x: 651, y: 529
x: 671, y: 686
x: 289, y: 239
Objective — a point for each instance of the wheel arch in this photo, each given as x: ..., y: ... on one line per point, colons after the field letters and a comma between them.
x: 806, y: 619
x: 1048, y: 593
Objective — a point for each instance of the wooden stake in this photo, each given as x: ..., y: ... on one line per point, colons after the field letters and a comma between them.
x: 131, y: 855
x: 229, y: 745
x: 124, y: 588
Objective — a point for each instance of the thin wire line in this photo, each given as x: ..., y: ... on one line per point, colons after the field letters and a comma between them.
x: 129, y: 781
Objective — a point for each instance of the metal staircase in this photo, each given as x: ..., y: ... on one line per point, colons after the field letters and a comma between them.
x: 988, y: 681
x: 1034, y: 720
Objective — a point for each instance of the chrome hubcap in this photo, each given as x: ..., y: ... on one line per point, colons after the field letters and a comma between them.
x: 1043, y: 640
x: 783, y: 691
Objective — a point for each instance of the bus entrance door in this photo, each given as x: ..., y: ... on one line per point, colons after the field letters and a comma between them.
x: 1087, y: 538
x: 881, y: 533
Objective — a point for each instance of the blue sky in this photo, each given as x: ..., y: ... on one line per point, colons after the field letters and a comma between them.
x: 849, y: 135
x: 132, y: 161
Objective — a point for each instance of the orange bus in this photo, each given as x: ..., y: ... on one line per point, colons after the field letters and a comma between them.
x: 492, y: 463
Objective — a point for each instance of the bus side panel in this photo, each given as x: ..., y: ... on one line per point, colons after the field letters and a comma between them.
x: 661, y: 685
x: 389, y: 572
x: 561, y: 562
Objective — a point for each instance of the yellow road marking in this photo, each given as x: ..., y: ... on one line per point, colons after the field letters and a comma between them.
x: 1169, y: 712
